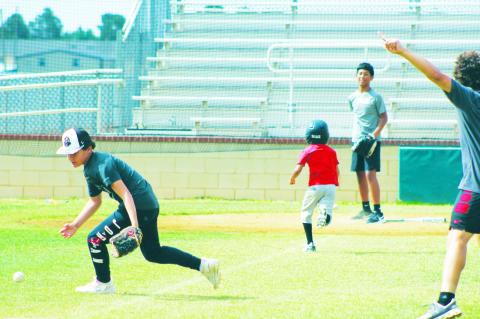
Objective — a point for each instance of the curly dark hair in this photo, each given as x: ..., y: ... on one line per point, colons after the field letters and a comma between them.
x: 467, y: 69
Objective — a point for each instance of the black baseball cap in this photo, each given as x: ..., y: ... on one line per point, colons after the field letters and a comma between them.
x: 74, y: 140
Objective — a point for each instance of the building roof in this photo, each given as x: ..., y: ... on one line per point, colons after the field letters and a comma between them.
x: 105, y: 50
x: 68, y: 52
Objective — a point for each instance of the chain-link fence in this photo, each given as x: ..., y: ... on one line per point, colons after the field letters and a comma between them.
x: 234, y: 68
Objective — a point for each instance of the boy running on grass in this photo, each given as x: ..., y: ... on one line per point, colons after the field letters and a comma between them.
x: 323, y: 164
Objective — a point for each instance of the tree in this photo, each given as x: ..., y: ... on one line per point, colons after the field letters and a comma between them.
x: 14, y: 28
x: 80, y: 34
x: 46, y: 26
x: 111, y: 24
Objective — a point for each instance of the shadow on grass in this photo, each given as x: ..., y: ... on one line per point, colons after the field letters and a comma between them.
x: 173, y: 297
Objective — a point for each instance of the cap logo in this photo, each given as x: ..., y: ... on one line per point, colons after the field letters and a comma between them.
x: 66, y: 141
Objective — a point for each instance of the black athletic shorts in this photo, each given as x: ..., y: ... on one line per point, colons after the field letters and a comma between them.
x: 362, y: 164
x: 466, y: 212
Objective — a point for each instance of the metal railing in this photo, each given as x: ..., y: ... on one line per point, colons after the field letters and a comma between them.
x: 21, y: 99
x: 131, y: 20
x: 365, y: 45
x: 295, y: 6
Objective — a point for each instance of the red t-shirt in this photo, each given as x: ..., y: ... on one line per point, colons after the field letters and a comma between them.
x: 322, y: 161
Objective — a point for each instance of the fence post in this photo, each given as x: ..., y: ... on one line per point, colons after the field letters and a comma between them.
x: 99, y: 108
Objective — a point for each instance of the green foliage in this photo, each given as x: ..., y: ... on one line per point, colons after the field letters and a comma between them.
x: 14, y: 28
x: 80, y: 34
x: 111, y: 24
x: 46, y: 26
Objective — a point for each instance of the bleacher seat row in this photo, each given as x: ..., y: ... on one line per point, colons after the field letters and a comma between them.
x: 214, y: 73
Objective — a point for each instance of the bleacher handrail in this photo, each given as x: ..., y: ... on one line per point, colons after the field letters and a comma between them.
x: 131, y: 20
x: 313, y: 3
x: 57, y: 74
x: 244, y: 59
x: 94, y: 82
x: 417, y: 99
x: 50, y: 112
x: 220, y: 40
x: 357, y: 44
x: 198, y: 98
x: 398, y: 80
x: 269, y: 22
x: 294, y: 5
x: 345, y: 43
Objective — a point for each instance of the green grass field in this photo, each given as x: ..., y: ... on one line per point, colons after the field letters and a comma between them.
x: 359, y: 271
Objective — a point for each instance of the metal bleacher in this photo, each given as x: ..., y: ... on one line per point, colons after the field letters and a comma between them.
x: 266, y: 69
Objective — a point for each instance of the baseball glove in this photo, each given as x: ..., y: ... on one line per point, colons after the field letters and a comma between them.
x: 126, y: 241
x: 365, y: 145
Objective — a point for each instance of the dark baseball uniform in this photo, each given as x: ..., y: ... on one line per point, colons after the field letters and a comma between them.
x: 101, y: 171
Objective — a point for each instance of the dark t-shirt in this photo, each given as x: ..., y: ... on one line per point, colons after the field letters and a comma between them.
x: 103, y: 169
x: 467, y: 102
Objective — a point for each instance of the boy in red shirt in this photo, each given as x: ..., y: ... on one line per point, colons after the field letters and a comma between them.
x: 323, y: 164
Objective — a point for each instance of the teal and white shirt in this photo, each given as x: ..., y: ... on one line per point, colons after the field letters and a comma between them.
x: 367, y: 107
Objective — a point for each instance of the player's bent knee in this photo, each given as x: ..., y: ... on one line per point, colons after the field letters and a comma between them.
x: 97, y: 238
x: 94, y: 240
x: 306, y: 217
x: 152, y: 253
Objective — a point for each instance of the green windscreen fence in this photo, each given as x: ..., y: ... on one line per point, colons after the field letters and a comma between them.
x: 429, y: 174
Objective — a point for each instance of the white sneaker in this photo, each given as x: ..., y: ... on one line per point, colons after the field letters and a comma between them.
x: 210, y: 268
x: 324, y: 220
x: 310, y: 248
x: 97, y: 287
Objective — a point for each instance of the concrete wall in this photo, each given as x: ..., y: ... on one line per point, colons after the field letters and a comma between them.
x: 253, y: 174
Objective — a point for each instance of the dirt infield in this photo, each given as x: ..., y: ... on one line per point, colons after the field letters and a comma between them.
x: 342, y: 225
x: 233, y: 216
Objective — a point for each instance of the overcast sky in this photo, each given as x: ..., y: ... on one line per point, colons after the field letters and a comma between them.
x: 72, y: 13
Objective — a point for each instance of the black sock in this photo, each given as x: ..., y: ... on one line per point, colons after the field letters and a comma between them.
x: 308, y: 232
x: 366, y: 206
x: 376, y: 208
x: 445, y: 298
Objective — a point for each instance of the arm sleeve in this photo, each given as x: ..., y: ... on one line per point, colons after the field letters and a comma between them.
x: 93, y: 190
x: 350, y: 106
x: 463, y: 97
x: 380, y: 105
x: 302, y: 160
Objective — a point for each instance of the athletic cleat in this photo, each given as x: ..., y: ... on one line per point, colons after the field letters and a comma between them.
x: 310, y: 248
x: 210, y: 268
x: 363, y: 214
x: 324, y: 220
x: 97, y: 287
x: 376, y: 218
x: 438, y: 311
